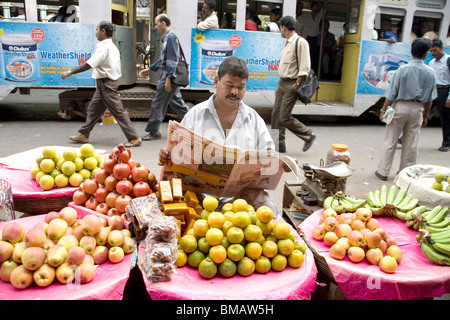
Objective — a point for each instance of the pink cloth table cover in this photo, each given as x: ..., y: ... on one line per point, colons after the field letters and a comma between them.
x: 187, y: 284
x: 416, y: 276
x: 108, y: 283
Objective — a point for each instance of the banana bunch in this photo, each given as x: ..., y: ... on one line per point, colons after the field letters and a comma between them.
x: 390, y: 202
x: 436, y: 246
x: 433, y: 220
x: 341, y: 203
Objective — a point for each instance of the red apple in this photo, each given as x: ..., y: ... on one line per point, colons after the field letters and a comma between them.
x: 372, y: 224
x: 35, y: 238
x: 388, y: 264
x: 128, y: 245
x: 100, y: 254
x: 337, y: 251
x: 383, y: 246
x: 395, y: 252
x: 65, y: 273
x: 382, y: 232
x: 44, y: 276
x: 68, y: 214
x: 116, y: 223
x: 33, y: 257
x: 318, y: 232
x: 357, y: 224
x: 373, y: 239
x: 356, y: 254
x: 374, y: 255
x: 75, y: 255
x: 330, y: 224
x: 91, y: 224
x: 356, y: 238
x: 87, y: 272
x: 363, y: 214
x: 6, y: 269
x: 6, y: 250
x: 344, y: 242
x: 343, y: 229
x: 345, y: 218
x: 21, y: 277
x: 390, y: 241
x: 330, y: 238
x: 13, y: 232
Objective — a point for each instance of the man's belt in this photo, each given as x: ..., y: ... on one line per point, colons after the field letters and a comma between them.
x: 288, y: 79
x: 439, y: 86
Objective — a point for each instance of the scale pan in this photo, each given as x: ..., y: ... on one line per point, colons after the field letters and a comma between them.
x: 334, y: 170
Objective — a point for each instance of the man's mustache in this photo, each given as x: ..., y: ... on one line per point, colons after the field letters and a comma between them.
x: 233, y: 96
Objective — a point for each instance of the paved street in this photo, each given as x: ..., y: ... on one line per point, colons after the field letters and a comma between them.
x: 24, y: 127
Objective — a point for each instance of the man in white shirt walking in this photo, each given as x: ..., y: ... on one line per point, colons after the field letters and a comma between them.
x: 105, y: 63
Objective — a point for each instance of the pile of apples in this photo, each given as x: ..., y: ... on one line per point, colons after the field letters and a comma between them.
x: 358, y: 236
x: 61, y: 248
x: 110, y: 190
x: 440, y: 180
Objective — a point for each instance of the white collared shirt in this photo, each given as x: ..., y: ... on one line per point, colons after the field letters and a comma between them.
x: 441, y: 69
x: 248, y: 132
x: 105, y: 61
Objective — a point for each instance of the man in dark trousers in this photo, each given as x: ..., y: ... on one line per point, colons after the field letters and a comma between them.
x: 105, y: 63
x: 442, y: 69
x: 166, y: 91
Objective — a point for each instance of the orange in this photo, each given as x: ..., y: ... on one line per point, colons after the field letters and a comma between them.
x: 210, y: 203
x: 262, y: 264
x: 214, y: 236
x: 281, y: 230
x: 265, y: 214
x: 228, y: 215
x: 279, y: 262
x: 269, y: 249
x: 181, y: 259
x: 218, y: 253
x: 241, y: 219
x: 253, y: 250
x: 227, y: 207
x: 204, y: 215
x: 195, y: 258
x: 225, y: 243
x: 300, y: 245
x: 236, y: 252
x: 285, y: 246
x: 239, y: 205
x: 203, y: 245
x: 188, y: 243
x: 216, y: 220
x: 235, y: 235
x: 253, y: 217
x: 200, y: 227
x: 245, y: 267
x: 207, y: 268
x: 252, y: 232
x: 226, y: 226
x: 296, y: 259
x: 227, y: 269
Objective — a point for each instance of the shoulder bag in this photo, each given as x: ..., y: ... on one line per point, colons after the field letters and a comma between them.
x: 181, y: 78
x: 309, y: 86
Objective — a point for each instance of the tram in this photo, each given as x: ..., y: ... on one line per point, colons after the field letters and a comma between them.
x: 365, y: 67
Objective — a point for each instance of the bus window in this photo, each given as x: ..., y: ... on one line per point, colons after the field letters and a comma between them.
x: 427, y: 24
x: 121, y: 13
x: 387, y: 24
x: 438, y: 4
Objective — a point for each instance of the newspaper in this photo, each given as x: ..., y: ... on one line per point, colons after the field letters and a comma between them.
x: 208, y: 167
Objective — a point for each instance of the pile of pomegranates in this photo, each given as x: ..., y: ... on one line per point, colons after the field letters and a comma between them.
x: 114, y: 185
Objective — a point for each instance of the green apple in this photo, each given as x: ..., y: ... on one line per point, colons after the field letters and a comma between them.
x: 437, y: 185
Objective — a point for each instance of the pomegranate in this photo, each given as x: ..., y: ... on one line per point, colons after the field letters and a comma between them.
x: 151, y: 179
x: 121, y: 202
x: 139, y: 173
x: 120, y: 153
x: 90, y: 185
x: 111, y: 198
x: 110, y: 183
x: 92, y: 203
x: 113, y: 212
x: 121, y: 170
x: 100, y: 175
x: 102, y: 208
x: 109, y: 163
x: 124, y: 186
x: 125, y: 156
x: 131, y: 163
x: 80, y: 197
x: 101, y: 193
x: 141, y: 189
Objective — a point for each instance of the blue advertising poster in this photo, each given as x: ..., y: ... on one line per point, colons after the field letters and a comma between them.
x: 261, y: 51
x: 35, y: 54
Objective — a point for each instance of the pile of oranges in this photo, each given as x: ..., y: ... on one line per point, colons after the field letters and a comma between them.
x: 239, y: 240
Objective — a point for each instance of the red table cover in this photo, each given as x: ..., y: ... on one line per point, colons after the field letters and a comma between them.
x: 416, y: 276
x: 108, y: 283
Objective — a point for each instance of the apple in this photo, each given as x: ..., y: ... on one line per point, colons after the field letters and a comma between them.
x: 100, y: 254
x: 126, y: 233
x: 374, y: 255
x: 383, y: 246
x: 69, y: 214
x: 116, y: 254
x: 329, y: 213
x: 35, y: 238
x: 101, y: 237
x: 6, y: 250
x: 87, y: 272
x: 357, y: 224
x: 69, y: 230
x: 344, y: 242
x: 91, y: 224
x: 365, y: 231
x: 395, y: 252
x: 343, y: 229
x: 356, y: 254
x: 76, y: 223
x: 6, y: 268
x: 388, y: 264
x: 48, y: 244
x: 44, y: 276
x: 345, y: 218
x: 88, y: 259
x: 33, y: 257
x: 356, y: 238
x: 75, y: 255
x: 50, y: 216
x: 68, y: 241
x: 21, y: 277
x: 390, y: 241
x: 78, y: 232
x: 330, y: 238
x: 330, y: 224
x: 128, y: 245
x: 42, y: 226
x: 337, y: 251
x: 88, y: 243
x: 56, y: 255
x: 382, y: 232
x: 13, y: 232
x: 372, y: 224
x: 363, y: 214
x: 56, y: 228
x: 19, y: 248
x: 65, y: 273
x: 373, y: 239
x: 116, y: 238
x: 116, y: 223
x: 318, y: 232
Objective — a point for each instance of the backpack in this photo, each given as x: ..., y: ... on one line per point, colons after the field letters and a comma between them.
x: 309, y: 86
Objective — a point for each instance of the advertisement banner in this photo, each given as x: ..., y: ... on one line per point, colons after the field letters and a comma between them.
x: 261, y: 51
x: 35, y: 54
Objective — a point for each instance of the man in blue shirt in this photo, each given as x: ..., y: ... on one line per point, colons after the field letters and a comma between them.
x: 387, y: 33
x: 410, y: 93
x: 166, y: 91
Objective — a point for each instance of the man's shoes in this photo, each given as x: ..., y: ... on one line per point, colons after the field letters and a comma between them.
x: 444, y: 148
x: 381, y: 177
x: 400, y: 140
x: 282, y: 149
x: 133, y: 143
x: 309, y: 142
x: 152, y: 136
x: 80, y: 139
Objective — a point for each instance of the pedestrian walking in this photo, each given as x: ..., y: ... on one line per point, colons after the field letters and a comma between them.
x: 166, y: 91
x: 441, y: 65
x: 295, y: 65
x: 410, y: 93
x: 105, y: 65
